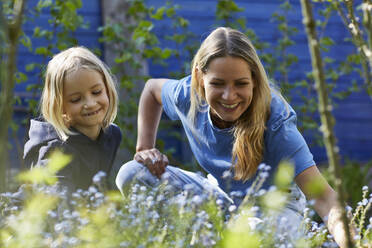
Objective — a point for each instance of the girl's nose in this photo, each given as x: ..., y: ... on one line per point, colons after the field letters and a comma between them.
x: 90, y: 102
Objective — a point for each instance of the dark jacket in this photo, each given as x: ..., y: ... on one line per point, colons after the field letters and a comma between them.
x: 88, y: 156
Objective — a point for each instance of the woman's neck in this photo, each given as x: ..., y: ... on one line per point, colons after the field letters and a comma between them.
x: 221, y: 124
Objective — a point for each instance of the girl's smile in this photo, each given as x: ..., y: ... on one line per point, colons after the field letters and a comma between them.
x: 85, y: 101
x: 92, y: 113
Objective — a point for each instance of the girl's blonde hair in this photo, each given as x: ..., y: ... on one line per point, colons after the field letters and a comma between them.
x: 249, y: 130
x: 61, y: 65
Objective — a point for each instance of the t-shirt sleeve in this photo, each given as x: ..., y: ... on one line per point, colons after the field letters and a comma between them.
x: 285, y: 142
x: 175, y: 97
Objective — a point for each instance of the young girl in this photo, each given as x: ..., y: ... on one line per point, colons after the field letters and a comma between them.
x: 78, y: 106
x: 234, y: 121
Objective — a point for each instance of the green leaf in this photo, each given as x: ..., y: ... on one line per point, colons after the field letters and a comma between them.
x: 46, y: 174
x: 274, y: 200
x: 159, y: 14
x: 170, y: 12
x: 30, y: 67
x: 58, y: 161
x: 44, y: 4
x: 327, y: 41
x: 166, y: 53
x: 26, y: 41
x: 284, y: 175
x: 42, y: 51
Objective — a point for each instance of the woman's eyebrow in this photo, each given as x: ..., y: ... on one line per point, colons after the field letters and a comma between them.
x: 243, y: 78
x: 217, y: 79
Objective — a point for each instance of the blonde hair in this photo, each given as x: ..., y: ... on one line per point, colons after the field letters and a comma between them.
x: 62, y: 64
x: 249, y: 129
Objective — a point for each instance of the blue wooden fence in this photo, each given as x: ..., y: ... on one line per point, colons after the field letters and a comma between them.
x: 353, y: 114
x: 88, y: 37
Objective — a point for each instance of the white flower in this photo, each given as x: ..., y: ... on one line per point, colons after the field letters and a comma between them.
x: 353, y: 29
x: 226, y: 174
x: 253, y: 222
x: 261, y: 166
x: 219, y: 202
x: 98, y: 177
x: 348, y: 208
x: 92, y: 190
x: 261, y: 192
x: 232, y: 208
x: 197, y: 200
x: 264, y: 175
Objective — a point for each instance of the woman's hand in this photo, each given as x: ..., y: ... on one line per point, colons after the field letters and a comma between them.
x: 154, y: 160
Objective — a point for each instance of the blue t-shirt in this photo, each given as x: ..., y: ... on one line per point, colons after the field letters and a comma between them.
x: 213, y: 146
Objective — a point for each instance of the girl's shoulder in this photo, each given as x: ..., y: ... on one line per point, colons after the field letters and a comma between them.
x: 113, y: 133
x: 41, y: 133
x: 42, y: 140
x: 114, y: 130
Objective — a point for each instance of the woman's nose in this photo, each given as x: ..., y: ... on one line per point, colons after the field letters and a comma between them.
x: 229, y: 93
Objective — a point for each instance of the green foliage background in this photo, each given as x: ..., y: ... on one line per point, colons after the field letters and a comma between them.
x: 24, y: 222
x: 143, y: 45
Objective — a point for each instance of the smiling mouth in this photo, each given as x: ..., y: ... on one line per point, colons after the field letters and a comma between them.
x: 229, y: 106
x: 92, y: 113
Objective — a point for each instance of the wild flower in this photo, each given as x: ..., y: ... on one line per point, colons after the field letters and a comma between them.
x: 159, y: 217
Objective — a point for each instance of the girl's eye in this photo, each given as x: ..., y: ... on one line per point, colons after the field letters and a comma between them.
x: 75, y: 100
x: 97, y: 92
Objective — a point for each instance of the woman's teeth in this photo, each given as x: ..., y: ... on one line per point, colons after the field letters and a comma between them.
x: 230, y: 106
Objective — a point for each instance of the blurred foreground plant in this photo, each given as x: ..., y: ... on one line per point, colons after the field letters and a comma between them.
x: 43, y: 215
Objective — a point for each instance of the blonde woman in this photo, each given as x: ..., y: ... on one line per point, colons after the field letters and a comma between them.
x: 78, y: 107
x: 234, y: 121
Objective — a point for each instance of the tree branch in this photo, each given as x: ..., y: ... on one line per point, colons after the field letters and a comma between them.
x: 327, y: 120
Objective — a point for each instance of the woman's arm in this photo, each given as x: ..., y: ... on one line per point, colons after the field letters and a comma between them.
x: 314, y: 186
x: 149, y: 113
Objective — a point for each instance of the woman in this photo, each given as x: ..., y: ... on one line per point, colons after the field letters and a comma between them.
x: 233, y: 120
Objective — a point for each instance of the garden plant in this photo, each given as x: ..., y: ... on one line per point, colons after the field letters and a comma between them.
x: 36, y: 212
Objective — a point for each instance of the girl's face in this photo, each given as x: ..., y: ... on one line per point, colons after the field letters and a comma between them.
x: 228, y: 86
x: 85, y: 101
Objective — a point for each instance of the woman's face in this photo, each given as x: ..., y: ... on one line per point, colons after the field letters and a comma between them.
x: 228, y: 86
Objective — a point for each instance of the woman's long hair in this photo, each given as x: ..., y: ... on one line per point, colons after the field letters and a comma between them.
x: 249, y: 129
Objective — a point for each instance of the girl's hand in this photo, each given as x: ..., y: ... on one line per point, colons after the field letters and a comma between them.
x: 154, y: 160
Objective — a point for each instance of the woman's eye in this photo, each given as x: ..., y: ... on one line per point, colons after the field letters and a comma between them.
x: 97, y: 92
x: 216, y: 83
x: 242, y: 83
